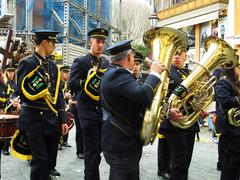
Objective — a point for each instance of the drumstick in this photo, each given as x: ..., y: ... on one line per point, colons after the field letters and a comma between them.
x: 16, y: 99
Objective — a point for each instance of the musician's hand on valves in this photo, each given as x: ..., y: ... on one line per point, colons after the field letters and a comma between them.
x: 157, y: 67
x: 64, y: 129
x: 175, y: 114
x: 204, y: 114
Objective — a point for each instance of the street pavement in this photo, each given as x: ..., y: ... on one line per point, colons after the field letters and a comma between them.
x: 203, y: 164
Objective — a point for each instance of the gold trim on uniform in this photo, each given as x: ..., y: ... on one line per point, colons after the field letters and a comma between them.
x: 96, y: 98
x: 16, y: 154
x: 9, y: 90
x: 3, y: 100
x: 44, y: 93
x: 26, y: 94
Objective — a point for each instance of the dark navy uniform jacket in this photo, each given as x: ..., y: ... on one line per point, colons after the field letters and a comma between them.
x: 12, y: 93
x: 3, y: 96
x: 227, y: 98
x: 88, y: 108
x: 217, y: 74
x: 128, y: 98
x: 36, y: 116
x: 177, y: 75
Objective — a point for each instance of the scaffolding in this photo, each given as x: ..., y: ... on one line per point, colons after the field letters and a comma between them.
x: 72, y: 18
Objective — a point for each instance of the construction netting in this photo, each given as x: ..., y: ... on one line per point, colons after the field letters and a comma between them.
x: 49, y: 14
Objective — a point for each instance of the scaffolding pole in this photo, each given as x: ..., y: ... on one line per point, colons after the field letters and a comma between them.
x: 66, y: 33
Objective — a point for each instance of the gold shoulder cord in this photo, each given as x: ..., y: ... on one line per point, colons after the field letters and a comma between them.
x: 9, y: 89
x: 3, y: 100
x: 43, y: 94
x: 53, y: 100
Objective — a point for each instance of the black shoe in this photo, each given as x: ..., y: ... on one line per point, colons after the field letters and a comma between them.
x: 60, y: 147
x: 166, y: 176
x: 66, y: 144
x: 54, y: 172
x: 219, y: 168
x: 6, y: 152
x: 80, y: 156
x: 159, y: 173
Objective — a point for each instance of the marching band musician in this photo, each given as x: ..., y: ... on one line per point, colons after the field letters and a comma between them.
x: 85, y: 76
x: 180, y: 141
x: 123, y: 101
x: 43, y: 115
x: 3, y: 92
x: 12, y: 103
x: 137, y: 71
x: 64, y: 78
x: 3, y: 99
x: 227, y: 92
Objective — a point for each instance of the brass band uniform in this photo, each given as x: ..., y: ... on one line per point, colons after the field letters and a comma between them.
x: 181, y: 142
x: 64, y: 70
x: 123, y: 100
x: 11, y: 94
x: 137, y: 70
x: 85, y: 77
x: 228, y: 97
x: 42, y: 116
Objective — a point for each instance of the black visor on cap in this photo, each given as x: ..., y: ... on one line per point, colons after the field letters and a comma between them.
x: 41, y: 35
x: 120, y: 47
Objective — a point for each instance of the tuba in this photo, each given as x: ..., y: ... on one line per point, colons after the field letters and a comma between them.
x: 164, y: 43
x: 234, y: 117
x: 196, y: 91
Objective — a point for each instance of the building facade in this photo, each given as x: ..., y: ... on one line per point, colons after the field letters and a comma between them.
x: 200, y: 19
x: 72, y: 18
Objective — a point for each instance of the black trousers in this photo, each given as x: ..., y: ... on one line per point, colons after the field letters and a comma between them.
x: 123, y: 166
x: 91, y: 132
x: 221, y: 150
x: 163, y: 156
x: 43, y: 149
x: 181, y: 147
x: 6, y: 145
x: 231, y: 160
x: 65, y: 138
x: 78, y: 136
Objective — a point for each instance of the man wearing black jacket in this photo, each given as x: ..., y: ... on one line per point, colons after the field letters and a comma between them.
x: 42, y: 116
x: 85, y: 76
x: 124, y: 100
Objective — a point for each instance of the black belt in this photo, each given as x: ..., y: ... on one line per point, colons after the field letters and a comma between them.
x: 36, y: 105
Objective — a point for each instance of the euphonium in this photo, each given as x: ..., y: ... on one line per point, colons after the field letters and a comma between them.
x: 195, y: 93
x: 164, y: 43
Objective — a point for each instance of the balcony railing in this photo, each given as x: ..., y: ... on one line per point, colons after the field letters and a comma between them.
x: 169, y: 8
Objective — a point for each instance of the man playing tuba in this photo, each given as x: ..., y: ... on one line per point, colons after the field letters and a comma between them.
x: 180, y: 141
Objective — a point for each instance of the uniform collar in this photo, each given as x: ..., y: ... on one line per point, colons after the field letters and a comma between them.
x: 120, y: 66
x: 39, y: 57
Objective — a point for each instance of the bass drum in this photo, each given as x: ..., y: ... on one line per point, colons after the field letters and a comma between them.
x: 70, y: 121
x: 8, y: 125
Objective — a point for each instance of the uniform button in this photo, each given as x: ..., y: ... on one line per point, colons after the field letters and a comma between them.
x: 41, y: 113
